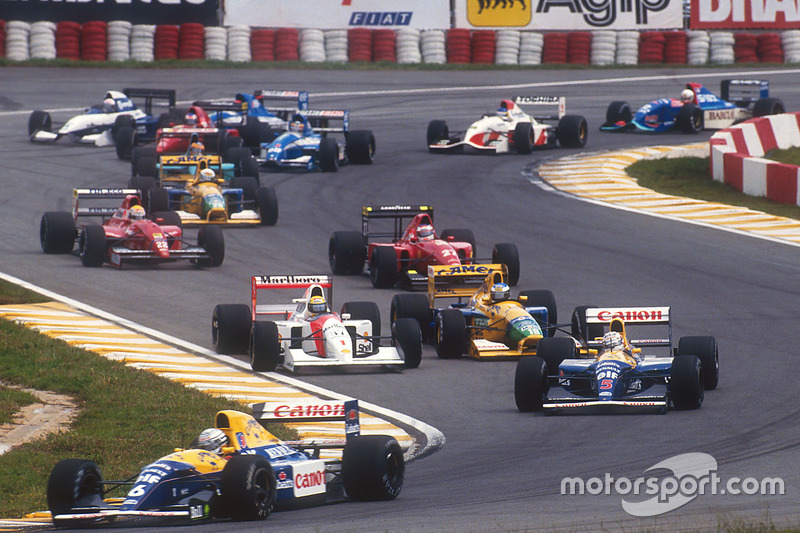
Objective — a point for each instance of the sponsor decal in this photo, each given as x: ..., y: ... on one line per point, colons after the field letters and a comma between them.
x: 380, y: 18
x: 325, y: 410
x: 499, y: 12
x: 309, y: 478
x: 775, y: 14
x: 724, y: 114
x: 283, y: 280
x: 652, y: 314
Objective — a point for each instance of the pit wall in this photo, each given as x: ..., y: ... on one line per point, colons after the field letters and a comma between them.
x: 736, y: 156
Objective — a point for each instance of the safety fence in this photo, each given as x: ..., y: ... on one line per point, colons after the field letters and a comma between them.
x: 120, y: 41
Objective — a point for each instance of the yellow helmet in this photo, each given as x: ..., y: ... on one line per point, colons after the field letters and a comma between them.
x: 317, y: 304
x: 137, y: 212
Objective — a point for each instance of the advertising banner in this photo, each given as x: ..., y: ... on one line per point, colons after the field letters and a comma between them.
x: 745, y: 14
x: 339, y: 14
x: 569, y: 15
x: 135, y: 11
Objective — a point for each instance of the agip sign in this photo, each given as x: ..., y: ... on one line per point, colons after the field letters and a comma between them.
x: 740, y: 14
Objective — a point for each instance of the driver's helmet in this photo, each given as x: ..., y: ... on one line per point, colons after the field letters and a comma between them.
x: 613, y: 341
x: 207, y: 175
x: 196, y: 148
x: 425, y: 232
x: 190, y: 119
x: 297, y: 126
x: 504, y: 110
x: 500, y: 292
x: 108, y: 105
x: 137, y: 212
x: 212, y: 439
x: 317, y: 305
x: 687, y: 95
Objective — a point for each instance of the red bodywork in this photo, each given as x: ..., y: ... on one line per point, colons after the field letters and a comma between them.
x: 206, y: 131
x: 415, y: 254
x: 140, y: 234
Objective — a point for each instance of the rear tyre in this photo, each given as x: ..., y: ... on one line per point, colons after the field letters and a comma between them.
x: 373, y: 468
x: 451, y: 334
x: 73, y: 483
x: 686, y: 382
x: 328, y: 155
x: 265, y: 347
x: 460, y: 235
x: 412, y: 306
x: 364, y: 311
x: 506, y: 253
x: 553, y: 350
x: 580, y: 329
x: 360, y: 147
x: 146, y: 166
x: 230, y: 328
x: 523, y: 138
x: 530, y: 384
x: 437, y: 131
x: 690, y: 118
x: 249, y: 187
x: 267, y: 202
x: 166, y: 218
x: 407, y: 336
x: 248, y: 488
x: 572, y: 131
x: 93, y: 246
x: 157, y: 199
x: 57, y: 232
x: 346, y: 252
x: 705, y: 349
x: 124, y: 142
x: 211, y: 240
x: 768, y: 106
x: 39, y: 121
x: 122, y: 121
x: 543, y: 298
x: 383, y: 267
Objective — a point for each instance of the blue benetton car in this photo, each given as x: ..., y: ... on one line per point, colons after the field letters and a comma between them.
x: 696, y: 109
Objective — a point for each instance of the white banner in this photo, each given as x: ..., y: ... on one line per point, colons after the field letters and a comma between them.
x: 564, y: 15
x: 341, y: 14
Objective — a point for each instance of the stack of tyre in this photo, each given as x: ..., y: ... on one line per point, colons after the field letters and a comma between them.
x: 167, y: 38
x: 770, y: 49
x: 433, y: 47
x: 507, y: 47
x: 675, y: 47
x: 191, y: 41
x: 262, y: 44
x: 312, y: 45
x: 482, y: 46
x: 745, y: 47
x: 17, y: 36
x: 287, y: 42
x: 604, y: 46
x: 554, y: 49
x: 43, y: 40
x: 239, y: 44
x: 119, y: 40
x: 336, y: 46
x: 651, y: 47
x: 143, y: 42
x: 579, y: 47
x: 627, y: 48
x: 459, y: 46
x: 2, y: 38
x: 383, y: 46
x: 359, y: 44
x: 721, y: 45
x: 531, y: 44
x: 698, y: 47
x: 408, y: 46
x: 215, y: 41
x: 791, y: 46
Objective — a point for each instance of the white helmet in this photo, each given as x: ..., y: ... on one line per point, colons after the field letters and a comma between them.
x: 207, y: 175
x: 212, y: 439
x: 108, y: 105
x: 687, y: 95
x: 613, y: 341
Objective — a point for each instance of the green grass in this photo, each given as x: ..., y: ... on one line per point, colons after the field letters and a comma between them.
x: 11, y: 401
x: 127, y: 417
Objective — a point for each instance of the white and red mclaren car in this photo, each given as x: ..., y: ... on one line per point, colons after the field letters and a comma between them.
x: 511, y: 129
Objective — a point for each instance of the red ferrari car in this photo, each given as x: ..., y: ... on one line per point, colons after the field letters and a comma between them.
x: 403, y: 253
x: 125, y: 235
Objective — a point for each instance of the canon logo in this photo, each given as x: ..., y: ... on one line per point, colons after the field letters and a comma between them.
x: 309, y: 411
x: 631, y: 315
x: 312, y: 479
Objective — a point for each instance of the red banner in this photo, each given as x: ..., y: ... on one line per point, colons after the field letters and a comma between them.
x: 745, y: 14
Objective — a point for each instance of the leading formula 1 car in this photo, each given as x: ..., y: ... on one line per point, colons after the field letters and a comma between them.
x: 610, y: 372
x: 305, y: 333
x: 251, y: 474
x: 125, y: 236
x: 100, y: 124
x: 697, y: 109
x: 511, y: 129
x: 485, y: 322
x: 412, y: 246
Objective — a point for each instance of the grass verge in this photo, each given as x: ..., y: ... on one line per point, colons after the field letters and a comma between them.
x: 127, y: 417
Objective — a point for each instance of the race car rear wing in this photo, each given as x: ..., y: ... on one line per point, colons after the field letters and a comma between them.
x: 560, y: 101
x: 295, y: 282
x: 743, y: 92
x: 460, y: 281
x: 320, y: 120
x: 267, y: 95
x: 81, y: 196
x: 400, y: 213
x: 632, y: 316
x: 218, y: 106
x: 152, y: 96
x: 313, y: 411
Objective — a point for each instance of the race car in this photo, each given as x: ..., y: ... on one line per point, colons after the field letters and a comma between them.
x: 403, y: 253
x: 696, y: 109
x: 235, y: 471
x: 305, y: 333
x: 511, y: 129
x: 101, y: 124
x: 485, y: 322
x: 610, y: 373
x: 306, y: 143
x: 125, y: 235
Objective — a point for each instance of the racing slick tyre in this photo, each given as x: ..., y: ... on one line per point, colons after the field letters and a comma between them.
x: 251, y: 132
x: 267, y: 203
x: 249, y: 186
x: 407, y: 337
x: 346, y: 252
x: 506, y: 253
x: 230, y: 328
x: 686, y: 382
x: 166, y: 218
x: 460, y: 235
x: 580, y: 329
x: 451, y: 334
x: 146, y: 166
x: 92, y: 245
x: 572, y: 131
x: 617, y: 112
x: 248, y: 488
x: 360, y: 147
x: 74, y: 483
x: 383, y: 267
x: 139, y: 152
x: 768, y: 106
x: 705, y: 349
x: 244, y: 164
x: 143, y: 184
x: 437, y: 131
x: 39, y: 121
x: 530, y: 383
x: 373, y: 468
x: 265, y: 347
x: 211, y: 240
x: 412, y: 306
x: 249, y: 167
x: 124, y: 142
x: 523, y: 138
x: 57, y: 232
x: 122, y: 121
x: 542, y: 298
x: 364, y: 311
x: 157, y: 199
x: 171, y: 118
x: 553, y: 350
x: 328, y: 155
x: 690, y: 118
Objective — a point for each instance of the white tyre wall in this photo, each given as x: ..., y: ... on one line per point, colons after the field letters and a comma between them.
x: 336, y: 46
x: 215, y: 43
x: 312, y: 45
x: 17, y: 36
x: 42, y: 41
x: 433, y: 47
x: 604, y: 48
x: 530, y: 48
x: 721, y: 48
x: 239, y: 44
x: 407, y: 46
x: 507, y: 44
x: 119, y: 40
x: 143, y: 42
x: 627, y: 52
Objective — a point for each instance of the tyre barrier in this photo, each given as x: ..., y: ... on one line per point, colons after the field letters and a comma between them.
x: 736, y: 156
x: 119, y: 40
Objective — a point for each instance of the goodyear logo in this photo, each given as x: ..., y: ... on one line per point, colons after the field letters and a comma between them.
x: 499, y: 12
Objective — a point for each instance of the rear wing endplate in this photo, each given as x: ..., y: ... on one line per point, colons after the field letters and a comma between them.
x: 151, y: 95
x: 266, y: 95
x: 559, y: 101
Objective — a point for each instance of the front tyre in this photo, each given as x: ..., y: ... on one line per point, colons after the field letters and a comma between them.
x: 523, y: 138
x: 265, y: 347
x: 248, y: 488
x: 74, y: 483
x: 93, y: 246
x: 267, y: 202
x: 686, y: 382
x: 451, y: 334
x: 690, y: 118
x: 57, y: 232
x: 364, y: 311
x: 407, y: 336
x: 328, y: 155
x: 383, y: 267
x: 530, y: 384
x: 373, y: 468
x: 437, y: 132
x: 705, y: 348
x: 346, y: 252
x: 572, y: 131
x: 360, y: 147
x: 211, y: 240
x: 230, y: 328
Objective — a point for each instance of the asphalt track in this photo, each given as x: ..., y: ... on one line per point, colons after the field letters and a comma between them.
x: 500, y: 470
